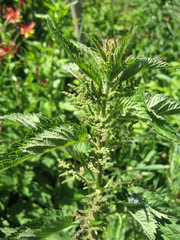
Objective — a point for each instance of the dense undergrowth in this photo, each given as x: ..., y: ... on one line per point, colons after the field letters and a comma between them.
x: 143, y: 181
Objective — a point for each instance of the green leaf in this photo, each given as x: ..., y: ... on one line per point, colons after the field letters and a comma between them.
x: 134, y: 106
x: 73, y: 69
x: 91, y: 70
x: 26, y: 120
x: 89, y: 51
x: 43, y: 142
x: 33, y: 120
x: 55, y: 138
x: 68, y: 46
x: 147, y: 221
x: 79, y: 151
x: 98, y: 47
x: 147, y: 218
x: 163, y: 128
x: 48, y: 224
x: 170, y: 231
x: 161, y: 105
x: 120, y: 49
x: 140, y: 64
x: 152, y: 167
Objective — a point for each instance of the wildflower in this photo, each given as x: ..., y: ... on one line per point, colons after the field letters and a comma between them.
x: 12, y: 15
x: 146, y: 35
x: 159, y: 59
x: 167, y: 19
x: 7, y: 49
x: 21, y: 2
x: 27, y: 30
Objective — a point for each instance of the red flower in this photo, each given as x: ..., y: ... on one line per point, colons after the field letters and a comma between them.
x: 167, y: 19
x: 146, y: 35
x: 27, y: 30
x: 6, y: 49
x: 21, y: 2
x: 12, y: 15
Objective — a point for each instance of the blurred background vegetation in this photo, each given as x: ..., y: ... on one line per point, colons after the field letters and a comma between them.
x: 32, y: 79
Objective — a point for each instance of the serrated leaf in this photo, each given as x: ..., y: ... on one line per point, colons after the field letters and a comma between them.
x: 33, y: 120
x: 89, y: 51
x: 26, y: 120
x: 69, y: 46
x: 46, y: 141
x: 134, y: 106
x: 163, y: 128
x: 48, y: 224
x: 98, y: 47
x: 161, y: 105
x: 28, y: 234
x: 170, y: 231
x: 91, y: 70
x: 120, y: 49
x: 73, y: 69
x: 79, y: 151
x: 55, y: 138
x: 147, y: 221
x: 158, y: 214
x: 140, y: 64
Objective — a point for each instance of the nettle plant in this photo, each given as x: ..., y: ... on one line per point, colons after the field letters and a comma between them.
x: 110, y: 100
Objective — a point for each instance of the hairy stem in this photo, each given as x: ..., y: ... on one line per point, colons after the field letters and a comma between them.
x: 99, y: 175
x: 103, y: 114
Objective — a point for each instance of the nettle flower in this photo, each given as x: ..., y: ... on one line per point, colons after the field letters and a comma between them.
x: 27, y: 29
x: 109, y: 45
x: 12, y: 15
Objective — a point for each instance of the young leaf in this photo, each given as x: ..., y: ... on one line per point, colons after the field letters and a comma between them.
x: 91, y: 70
x: 161, y: 105
x: 140, y: 64
x: 98, y: 47
x: 121, y: 48
x: 68, y: 46
x: 89, y: 51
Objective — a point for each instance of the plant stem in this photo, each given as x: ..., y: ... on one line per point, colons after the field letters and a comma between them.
x: 103, y: 114
x: 99, y: 175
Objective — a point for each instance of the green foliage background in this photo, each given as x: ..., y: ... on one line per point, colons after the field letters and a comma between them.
x: 34, y: 79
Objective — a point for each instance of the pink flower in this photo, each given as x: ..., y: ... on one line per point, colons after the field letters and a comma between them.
x: 12, y: 15
x: 159, y: 59
x: 146, y: 35
x: 21, y: 2
x: 7, y: 49
x: 167, y: 19
x: 27, y: 29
